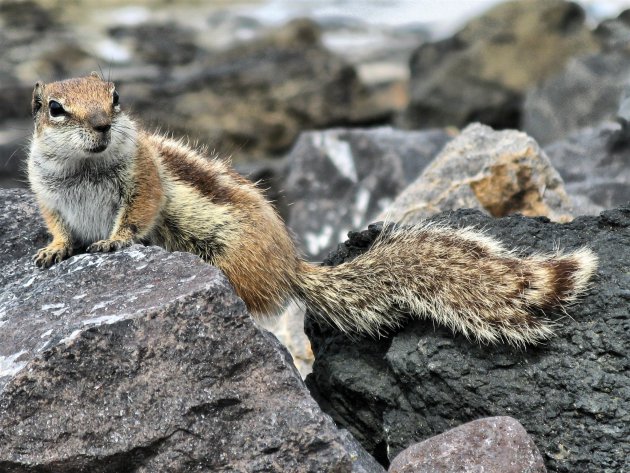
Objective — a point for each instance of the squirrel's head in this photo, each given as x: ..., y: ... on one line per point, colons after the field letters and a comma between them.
x: 79, y: 116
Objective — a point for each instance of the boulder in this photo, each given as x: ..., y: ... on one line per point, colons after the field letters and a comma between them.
x: 586, y: 92
x: 338, y: 180
x: 594, y: 165
x: 572, y: 394
x: 499, y: 172
x: 481, y: 73
x: 492, y: 445
x: 145, y: 361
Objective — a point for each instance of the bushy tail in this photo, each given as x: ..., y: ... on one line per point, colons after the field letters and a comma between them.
x: 457, y: 277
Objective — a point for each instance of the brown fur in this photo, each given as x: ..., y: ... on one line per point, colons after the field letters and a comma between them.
x: 183, y: 200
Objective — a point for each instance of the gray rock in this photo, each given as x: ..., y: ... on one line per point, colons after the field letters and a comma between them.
x: 14, y: 137
x: 571, y: 394
x: 595, y: 165
x: 492, y: 445
x: 614, y: 33
x: 585, y: 93
x: 163, y: 44
x: 145, y: 361
x: 480, y: 73
x: 499, y: 172
x: 339, y: 180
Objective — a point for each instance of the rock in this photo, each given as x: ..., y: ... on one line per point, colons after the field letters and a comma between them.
x: 594, y: 165
x: 614, y: 34
x: 340, y: 179
x: 163, y: 44
x: 587, y: 91
x: 499, y: 172
x: 252, y: 100
x: 481, y: 73
x: 14, y: 136
x: 493, y: 445
x: 288, y: 327
x: 145, y: 361
x: 584, y: 94
x: 571, y: 394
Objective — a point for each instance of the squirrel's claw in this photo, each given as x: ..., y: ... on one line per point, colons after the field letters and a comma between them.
x: 105, y: 246
x: 51, y: 254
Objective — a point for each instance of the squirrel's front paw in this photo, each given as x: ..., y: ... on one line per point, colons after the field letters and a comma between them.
x: 52, y: 254
x: 105, y: 246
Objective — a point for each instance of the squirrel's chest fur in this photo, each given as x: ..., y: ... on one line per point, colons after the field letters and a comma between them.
x: 88, y: 199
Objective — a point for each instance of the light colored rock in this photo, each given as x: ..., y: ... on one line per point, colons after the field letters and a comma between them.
x: 499, y: 172
x: 288, y: 327
x: 491, y: 445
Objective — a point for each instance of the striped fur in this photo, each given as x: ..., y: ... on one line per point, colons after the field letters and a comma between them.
x: 148, y: 188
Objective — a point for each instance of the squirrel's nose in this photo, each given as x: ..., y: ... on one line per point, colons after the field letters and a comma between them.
x: 100, y: 122
x: 102, y: 128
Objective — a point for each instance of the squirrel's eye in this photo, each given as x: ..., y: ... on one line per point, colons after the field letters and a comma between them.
x: 56, y: 109
x: 115, y: 98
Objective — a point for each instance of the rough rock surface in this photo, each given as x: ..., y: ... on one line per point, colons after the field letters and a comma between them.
x: 492, y: 445
x: 338, y: 180
x: 145, y: 361
x: 480, y: 73
x: 571, y: 394
x: 595, y: 165
x: 500, y: 172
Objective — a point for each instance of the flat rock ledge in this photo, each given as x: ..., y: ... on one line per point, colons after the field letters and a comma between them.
x: 572, y: 394
x: 145, y: 361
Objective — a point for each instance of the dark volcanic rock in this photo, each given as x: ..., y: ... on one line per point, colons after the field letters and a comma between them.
x: 481, y: 73
x: 571, y: 394
x: 145, y: 361
x: 339, y: 180
x: 493, y: 445
x: 595, y: 165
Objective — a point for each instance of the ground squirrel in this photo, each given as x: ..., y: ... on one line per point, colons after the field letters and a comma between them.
x: 103, y: 183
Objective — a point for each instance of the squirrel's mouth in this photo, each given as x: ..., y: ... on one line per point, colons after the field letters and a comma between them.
x: 98, y: 149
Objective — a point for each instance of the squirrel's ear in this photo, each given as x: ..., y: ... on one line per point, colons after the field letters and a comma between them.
x: 36, y: 102
x: 95, y: 75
